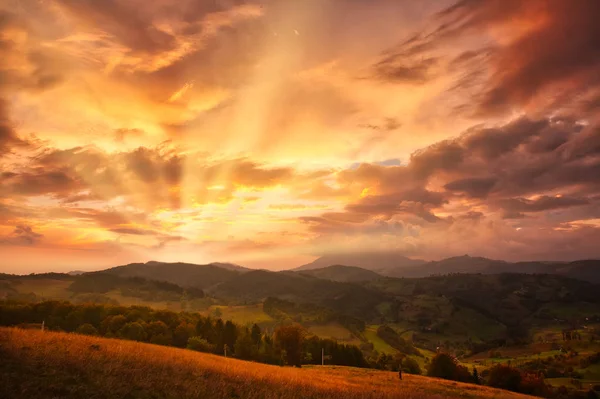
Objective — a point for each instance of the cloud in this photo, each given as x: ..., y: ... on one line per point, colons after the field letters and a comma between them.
x: 396, y: 69
x: 543, y: 203
x: 22, y: 235
x: 8, y: 137
x: 539, y: 45
x: 477, y: 187
x: 535, y: 173
x: 38, y: 181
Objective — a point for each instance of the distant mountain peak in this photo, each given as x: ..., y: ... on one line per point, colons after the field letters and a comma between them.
x: 378, y: 262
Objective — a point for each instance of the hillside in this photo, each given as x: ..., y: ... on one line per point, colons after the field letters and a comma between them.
x: 101, y: 287
x: 343, y: 274
x: 395, y: 265
x: 255, y: 286
x: 183, y: 274
x: 470, y: 312
x: 47, y: 364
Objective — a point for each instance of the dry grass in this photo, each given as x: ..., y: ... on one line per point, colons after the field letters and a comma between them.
x: 37, y: 364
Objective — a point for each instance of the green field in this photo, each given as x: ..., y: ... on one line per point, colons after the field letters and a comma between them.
x: 45, y: 288
x: 334, y: 331
x: 379, y: 344
x: 244, y: 315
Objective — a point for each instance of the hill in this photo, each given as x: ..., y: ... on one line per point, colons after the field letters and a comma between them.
x: 85, y: 367
x: 586, y: 270
x: 183, y: 274
x: 99, y: 287
x: 379, y: 262
x: 255, y: 286
x: 343, y: 274
x: 397, y: 265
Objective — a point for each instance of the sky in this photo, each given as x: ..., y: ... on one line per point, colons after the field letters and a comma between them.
x: 270, y: 132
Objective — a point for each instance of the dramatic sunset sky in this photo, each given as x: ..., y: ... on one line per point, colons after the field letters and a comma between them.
x: 269, y: 132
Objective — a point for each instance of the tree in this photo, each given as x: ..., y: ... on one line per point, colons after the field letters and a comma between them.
x: 410, y: 366
x: 113, y: 324
x: 256, y: 334
x: 219, y: 328
x: 159, y: 333
x: 199, y: 344
x: 182, y: 333
x: 245, y: 348
x: 87, y: 329
x: 505, y: 377
x: 133, y: 331
x: 445, y: 366
x: 229, y: 334
x: 290, y: 339
x: 475, y: 376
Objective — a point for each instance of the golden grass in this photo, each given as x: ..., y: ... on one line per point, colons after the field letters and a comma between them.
x: 37, y: 364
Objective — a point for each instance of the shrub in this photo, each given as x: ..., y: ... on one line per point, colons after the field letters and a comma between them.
x: 505, y: 377
x: 410, y: 366
x: 87, y: 329
x: 445, y: 366
x: 133, y: 331
x: 199, y: 344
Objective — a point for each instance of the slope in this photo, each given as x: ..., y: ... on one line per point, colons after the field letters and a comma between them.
x: 183, y: 274
x: 47, y: 364
x: 343, y: 274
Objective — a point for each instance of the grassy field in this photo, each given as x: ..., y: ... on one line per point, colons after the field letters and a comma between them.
x: 39, y: 364
x: 243, y: 315
x: 379, y: 344
x: 334, y: 331
x: 45, y: 288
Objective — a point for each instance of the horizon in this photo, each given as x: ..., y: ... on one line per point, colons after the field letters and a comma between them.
x: 67, y: 270
x: 264, y: 133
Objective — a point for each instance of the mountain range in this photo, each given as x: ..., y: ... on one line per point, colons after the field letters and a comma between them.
x: 397, y: 265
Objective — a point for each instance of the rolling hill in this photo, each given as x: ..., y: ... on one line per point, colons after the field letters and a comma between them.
x: 183, y: 274
x: 40, y: 365
x: 470, y: 311
x: 394, y: 265
x: 587, y: 270
x: 343, y: 274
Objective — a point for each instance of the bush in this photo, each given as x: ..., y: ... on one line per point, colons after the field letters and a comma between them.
x: 87, y: 329
x: 410, y: 366
x: 505, y: 377
x: 445, y: 366
x: 532, y: 384
x: 199, y: 344
x: 133, y: 331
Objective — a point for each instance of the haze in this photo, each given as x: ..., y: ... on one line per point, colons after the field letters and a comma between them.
x: 267, y: 133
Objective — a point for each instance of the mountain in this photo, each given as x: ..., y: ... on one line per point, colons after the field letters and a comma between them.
x: 183, y: 274
x: 344, y: 274
x: 380, y: 262
x: 586, y: 270
x: 457, y: 264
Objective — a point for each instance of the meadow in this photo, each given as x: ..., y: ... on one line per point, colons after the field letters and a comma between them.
x: 47, y: 364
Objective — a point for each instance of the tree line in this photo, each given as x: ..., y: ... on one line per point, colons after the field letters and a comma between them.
x: 288, y: 345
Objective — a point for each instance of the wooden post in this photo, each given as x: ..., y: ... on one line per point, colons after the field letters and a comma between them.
x: 43, y: 322
x: 322, y: 356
